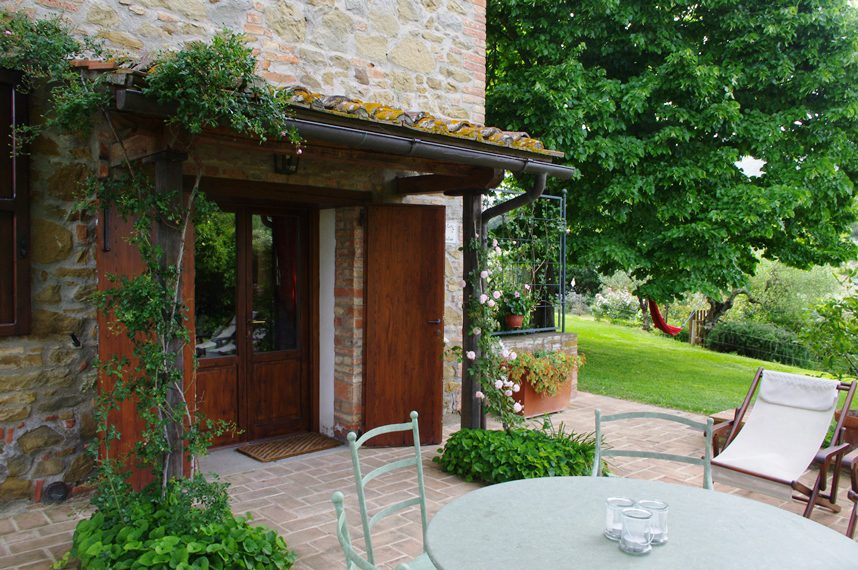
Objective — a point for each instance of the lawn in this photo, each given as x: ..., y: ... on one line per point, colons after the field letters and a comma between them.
x: 631, y: 364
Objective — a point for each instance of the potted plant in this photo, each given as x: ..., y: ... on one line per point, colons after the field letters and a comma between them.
x: 515, y: 303
x: 542, y: 380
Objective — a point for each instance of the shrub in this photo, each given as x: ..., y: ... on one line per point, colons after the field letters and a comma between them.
x: 615, y: 305
x: 192, y: 526
x: 759, y: 340
x: 544, y: 370
x: 500, y: 456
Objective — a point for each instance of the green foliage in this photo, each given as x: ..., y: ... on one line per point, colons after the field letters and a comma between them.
x: 213, y: 84
x: 832, y: 333
x: 656, y: 102
x: 190, y: 526
x: 41, y: 50
x: 500, y: 456
x: 783, y: 296
x: 759, y: 340
x: 544, y: 370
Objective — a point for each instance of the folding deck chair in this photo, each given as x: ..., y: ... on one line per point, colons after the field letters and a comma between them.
x: 782, y: 437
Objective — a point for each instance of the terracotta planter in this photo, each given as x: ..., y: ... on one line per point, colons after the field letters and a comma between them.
x: 536, y: 404
x: 850, y: 424
x: 513, y: 321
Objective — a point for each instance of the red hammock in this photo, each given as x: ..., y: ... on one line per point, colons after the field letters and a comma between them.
x: 659, y: 321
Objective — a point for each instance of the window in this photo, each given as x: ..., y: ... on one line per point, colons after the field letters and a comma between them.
x: 14, y: 214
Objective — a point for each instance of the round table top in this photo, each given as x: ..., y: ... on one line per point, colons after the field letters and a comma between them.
x: 556, y: 523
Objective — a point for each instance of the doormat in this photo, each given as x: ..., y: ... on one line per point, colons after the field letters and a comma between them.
x: 289, y: 446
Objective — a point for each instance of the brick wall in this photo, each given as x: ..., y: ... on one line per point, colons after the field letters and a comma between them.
x: 348, y: 321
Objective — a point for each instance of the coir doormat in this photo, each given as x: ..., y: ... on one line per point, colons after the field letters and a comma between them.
x: 288, y: 446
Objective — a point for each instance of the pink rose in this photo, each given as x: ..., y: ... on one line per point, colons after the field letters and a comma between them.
x: 496, y: 294
x: 463, y: 283
x: 471, y: 355
x: 517, y: 294
x: 492, y: 303
x: 494, y: 243
x: 508, y: 393
x: 517, y: 407
x: 527, y: 287
x: 516, y: 387
x: 498, y: 250
x: 498, y: 384
x: 479, y: 395
x: 484, y: 274
x: 483, y: 298
x: 512, y: 356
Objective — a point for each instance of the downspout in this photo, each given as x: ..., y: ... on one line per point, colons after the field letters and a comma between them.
x: 532, y: 194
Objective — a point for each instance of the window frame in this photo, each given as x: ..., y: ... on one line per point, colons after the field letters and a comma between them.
x: 19, y: 206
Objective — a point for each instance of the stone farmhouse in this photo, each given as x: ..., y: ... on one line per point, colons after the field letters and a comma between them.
x: 346, y: 256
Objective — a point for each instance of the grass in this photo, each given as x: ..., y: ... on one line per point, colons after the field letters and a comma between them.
x: 632, y: 364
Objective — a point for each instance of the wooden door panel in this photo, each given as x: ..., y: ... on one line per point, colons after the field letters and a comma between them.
x: 217, y: 394
x: 404, y: 319
x: 277, y: 397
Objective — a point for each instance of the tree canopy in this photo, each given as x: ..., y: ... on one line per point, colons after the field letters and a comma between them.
x: 656, y: 102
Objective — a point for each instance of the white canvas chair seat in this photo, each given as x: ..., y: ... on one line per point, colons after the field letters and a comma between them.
x: 779, y: 441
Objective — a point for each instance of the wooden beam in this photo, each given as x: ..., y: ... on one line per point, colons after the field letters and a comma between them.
x: 438, y: 183
x: 231, y: 189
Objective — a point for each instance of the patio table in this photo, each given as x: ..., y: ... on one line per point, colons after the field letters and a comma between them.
x: 556, y: 523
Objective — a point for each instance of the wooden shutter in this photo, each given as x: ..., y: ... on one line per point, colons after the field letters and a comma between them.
x: 14, y: 213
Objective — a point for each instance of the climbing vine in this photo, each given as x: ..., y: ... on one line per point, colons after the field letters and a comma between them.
x: 205, y: 85
x: 489, y: 364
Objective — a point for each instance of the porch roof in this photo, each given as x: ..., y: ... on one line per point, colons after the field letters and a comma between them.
x: 376, y: 127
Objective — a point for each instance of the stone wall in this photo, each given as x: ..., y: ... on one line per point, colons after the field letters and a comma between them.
x: 426, y: 55
x: 45, y: 381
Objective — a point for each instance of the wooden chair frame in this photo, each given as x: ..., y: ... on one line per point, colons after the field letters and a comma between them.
x: 828, y: 458
x: 705, y: 427
x: 852, y: 494
x: 361, y: 480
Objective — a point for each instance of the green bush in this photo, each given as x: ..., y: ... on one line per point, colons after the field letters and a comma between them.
x: 192, y: 526
x: 759, y: 340
x: 499, y: 456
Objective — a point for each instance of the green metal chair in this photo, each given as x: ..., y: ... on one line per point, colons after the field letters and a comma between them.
x: 353, y: 559
x: 421, y: 562
x: 705, y: 461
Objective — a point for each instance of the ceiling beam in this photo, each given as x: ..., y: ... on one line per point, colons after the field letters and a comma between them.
x: 450, y: 185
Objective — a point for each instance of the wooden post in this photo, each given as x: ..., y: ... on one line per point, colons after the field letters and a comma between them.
x: 168, y: 180
x: 472, y: 412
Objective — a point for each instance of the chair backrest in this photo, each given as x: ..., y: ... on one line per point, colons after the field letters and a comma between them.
x: 706, y: 428
x: 784, y: 430
x: 355, y: 443
x: 353, y: 559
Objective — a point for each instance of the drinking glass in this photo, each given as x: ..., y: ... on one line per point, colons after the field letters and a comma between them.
x: 636, y: 535
x: 658, y: 524
x: 613, y: 515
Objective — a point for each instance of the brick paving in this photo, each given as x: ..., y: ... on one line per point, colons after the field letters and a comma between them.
x: 293, y: 496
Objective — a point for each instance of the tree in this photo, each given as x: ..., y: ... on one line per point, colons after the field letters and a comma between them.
x: 656, y: 102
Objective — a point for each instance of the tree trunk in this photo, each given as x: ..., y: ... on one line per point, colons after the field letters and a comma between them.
x: 718, y: 309
x: 645, y: 316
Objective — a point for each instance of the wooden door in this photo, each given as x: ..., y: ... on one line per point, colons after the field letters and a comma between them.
x: 404, y: 319
x: 277, y: 316
x: 253, y: 314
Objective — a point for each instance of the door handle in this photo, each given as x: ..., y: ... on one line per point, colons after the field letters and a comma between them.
x: 253, y: 322
x: 434, y: 322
